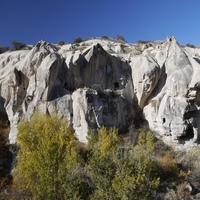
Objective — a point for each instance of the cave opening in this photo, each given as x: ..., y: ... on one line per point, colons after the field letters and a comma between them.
x: 164, y: 120
x: 189, y: 134
x: 116, y: 85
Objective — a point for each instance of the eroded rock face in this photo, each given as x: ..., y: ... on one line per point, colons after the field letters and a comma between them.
x: 106, y: 82
x: 89, y: 87
x: 97, y: 108
x: 166, y: 111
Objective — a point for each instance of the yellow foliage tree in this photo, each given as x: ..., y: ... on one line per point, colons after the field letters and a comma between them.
x: 102, y: 146
x: 117, y: 176
x: 136, y: 176
x: 47, y: 156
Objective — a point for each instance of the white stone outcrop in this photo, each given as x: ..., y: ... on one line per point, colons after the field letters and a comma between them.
x: 106, y: 82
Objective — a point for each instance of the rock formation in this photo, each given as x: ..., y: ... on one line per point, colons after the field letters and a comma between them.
x: 106, y: 82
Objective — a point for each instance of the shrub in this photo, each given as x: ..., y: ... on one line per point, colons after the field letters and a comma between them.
x: 5, y: 184
x: 143, y: 41
x: 121, y: 38
x: 61, y: 43
x: 169, y: 168
x: 105, y: 37
x: 168, y: 165
x: 116, y: 176
x: 77, y: 40
x: 4, y: 49
x: 190, y: 45
x: 17, y: 45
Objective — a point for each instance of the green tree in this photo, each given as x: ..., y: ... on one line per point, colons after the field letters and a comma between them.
x: 101, y: 147
x: 47, y: 159
x: 136, y: 176
x: 121, y: 171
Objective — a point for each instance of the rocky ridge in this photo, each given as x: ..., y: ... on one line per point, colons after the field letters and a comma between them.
x: 102, y: 81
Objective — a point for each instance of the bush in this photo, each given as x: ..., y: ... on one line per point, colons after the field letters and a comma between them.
x: 17, y: 45
x: 190, y: 45
x: 52, y: 164
x: 143, y: 41
x: 105, y: 37
x: 61, y: 43
x: 117, y: 175
x: 77, y: 40
x: 4, y: 49
x: 168, y: 166
x: 121, y: 38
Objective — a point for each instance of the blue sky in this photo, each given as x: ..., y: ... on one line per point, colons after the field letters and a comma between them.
x: 29, y: 21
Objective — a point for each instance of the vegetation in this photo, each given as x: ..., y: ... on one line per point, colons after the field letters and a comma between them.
x: 101, y: 152
x: 61, y: 43
x: 105, y: 37
x: 143, y: 41
x: 77, y: 40
x: 4, y: 49
x: 52, y: 164
x: 17, y: 45
x: 47, y: 160
x: 121, y: 172
x: 5, y: 155
x: 190, y: 45
x: 121, y: 38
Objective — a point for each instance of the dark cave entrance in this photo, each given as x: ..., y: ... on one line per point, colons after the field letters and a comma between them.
x: 116, y: 85
x: 164, y: 120
x: 189, y: 134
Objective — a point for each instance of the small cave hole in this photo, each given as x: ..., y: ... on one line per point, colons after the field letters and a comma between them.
x: 189, y: 134
x: 164, y: 120
x: 65, y: 85
x: 116, y: 84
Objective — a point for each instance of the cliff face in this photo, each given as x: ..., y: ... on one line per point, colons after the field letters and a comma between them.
x: 106, y: 82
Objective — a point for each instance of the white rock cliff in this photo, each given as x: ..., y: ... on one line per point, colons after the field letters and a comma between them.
x: 106, y: 82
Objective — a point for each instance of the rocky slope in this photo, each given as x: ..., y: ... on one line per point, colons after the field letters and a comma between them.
x: 102, y: 81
